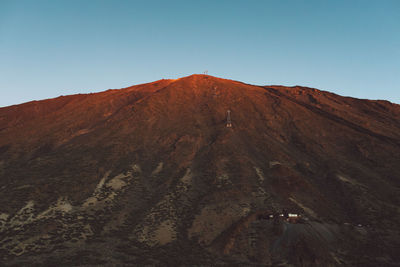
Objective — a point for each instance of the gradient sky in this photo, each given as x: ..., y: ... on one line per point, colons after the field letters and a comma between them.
x: 52, y: 48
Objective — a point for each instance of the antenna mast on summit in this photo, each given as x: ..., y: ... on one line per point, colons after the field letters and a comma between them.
x: 228, y: 119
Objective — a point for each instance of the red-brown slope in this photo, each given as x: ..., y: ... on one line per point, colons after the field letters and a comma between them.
x: 66, y: 116
x: 198, y: 183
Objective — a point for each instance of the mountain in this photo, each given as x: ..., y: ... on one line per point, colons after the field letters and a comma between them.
x: 152, y: 175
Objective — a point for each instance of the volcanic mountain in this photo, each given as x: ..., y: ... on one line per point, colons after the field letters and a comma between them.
x: 152, y: 175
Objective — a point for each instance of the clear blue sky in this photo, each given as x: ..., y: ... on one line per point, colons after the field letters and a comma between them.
x: 52, y: 48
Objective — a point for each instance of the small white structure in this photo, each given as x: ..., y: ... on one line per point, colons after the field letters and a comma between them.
x: 293, y: 215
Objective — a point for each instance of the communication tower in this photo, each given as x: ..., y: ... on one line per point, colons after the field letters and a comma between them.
x: 228, y: 119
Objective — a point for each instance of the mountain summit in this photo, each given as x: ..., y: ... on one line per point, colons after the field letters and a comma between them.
x: 152, y: 175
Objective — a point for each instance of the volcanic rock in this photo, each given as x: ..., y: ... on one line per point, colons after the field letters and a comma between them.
x: 151, y: 175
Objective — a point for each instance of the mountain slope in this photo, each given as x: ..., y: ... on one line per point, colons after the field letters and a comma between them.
x: 150, y: 174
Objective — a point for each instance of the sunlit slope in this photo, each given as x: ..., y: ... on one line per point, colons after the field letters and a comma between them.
x: 151, y: 171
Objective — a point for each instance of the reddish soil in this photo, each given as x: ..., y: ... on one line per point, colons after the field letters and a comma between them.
x: 191, y: 188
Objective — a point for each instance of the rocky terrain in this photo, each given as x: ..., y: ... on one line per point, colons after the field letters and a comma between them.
x: 151, y: 175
